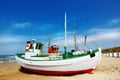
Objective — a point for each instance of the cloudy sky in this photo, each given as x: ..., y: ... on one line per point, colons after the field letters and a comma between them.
x: 22, y: 20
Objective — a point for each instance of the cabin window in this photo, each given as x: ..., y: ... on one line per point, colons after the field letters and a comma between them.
x: 40, y: 45
x: 37, y: 45
x: 31, y: 46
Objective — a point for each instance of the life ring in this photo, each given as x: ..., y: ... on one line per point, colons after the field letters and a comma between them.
x: 27, y: 47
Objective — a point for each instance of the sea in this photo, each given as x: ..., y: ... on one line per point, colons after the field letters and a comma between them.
x: 7, y: 58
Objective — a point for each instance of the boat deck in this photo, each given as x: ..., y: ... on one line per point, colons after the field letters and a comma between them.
x: 64, y: 56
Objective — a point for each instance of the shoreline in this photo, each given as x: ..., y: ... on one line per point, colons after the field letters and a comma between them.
x: 108, y: 69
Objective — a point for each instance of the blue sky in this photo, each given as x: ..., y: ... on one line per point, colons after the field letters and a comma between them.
x: 22, y: 20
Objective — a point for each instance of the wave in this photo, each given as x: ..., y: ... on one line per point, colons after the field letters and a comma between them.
x: 7, y: 58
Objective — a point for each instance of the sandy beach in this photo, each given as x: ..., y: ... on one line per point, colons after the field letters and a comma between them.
x: 108, y: 69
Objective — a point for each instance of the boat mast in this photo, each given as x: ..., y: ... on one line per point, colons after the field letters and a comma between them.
x: 85, y: 48
x: 49, y: 39
x: 75, y: 46
x: 65, y: 25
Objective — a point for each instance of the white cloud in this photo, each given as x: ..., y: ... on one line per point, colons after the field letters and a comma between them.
x: 95, y: 35
x: 46, y: 27
x: 21, y: 25
x: 10, y: 39
x: 17, y: 38
x: 114, y: 21
x: 98, y: 35
x: 104, y: 34
x: 11, y: 49
x: 10, y: 44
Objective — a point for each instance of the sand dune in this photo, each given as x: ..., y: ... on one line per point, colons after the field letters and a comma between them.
x: 108, y: 69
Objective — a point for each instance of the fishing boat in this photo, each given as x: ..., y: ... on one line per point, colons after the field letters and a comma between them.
x: 54, y: 63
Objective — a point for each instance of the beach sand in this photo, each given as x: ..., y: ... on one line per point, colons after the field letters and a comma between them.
x: 108, y: 69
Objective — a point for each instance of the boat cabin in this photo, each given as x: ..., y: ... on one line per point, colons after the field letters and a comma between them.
x: 33, y: 48
x: 53, y: 49
x: 33, y: 45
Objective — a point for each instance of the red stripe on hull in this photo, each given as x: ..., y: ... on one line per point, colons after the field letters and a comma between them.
x: 26, y: 70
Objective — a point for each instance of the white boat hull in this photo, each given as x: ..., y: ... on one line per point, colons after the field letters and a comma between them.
x: 59, y: 67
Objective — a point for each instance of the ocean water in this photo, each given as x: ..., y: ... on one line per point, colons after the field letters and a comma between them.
x: 7, y: 58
